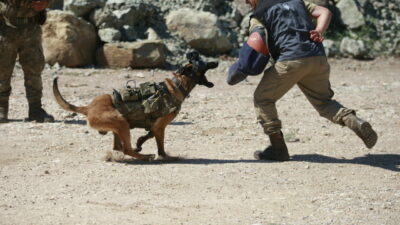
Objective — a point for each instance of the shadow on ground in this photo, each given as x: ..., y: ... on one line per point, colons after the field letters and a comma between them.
x: 75, y: 122
x: 387, y: 161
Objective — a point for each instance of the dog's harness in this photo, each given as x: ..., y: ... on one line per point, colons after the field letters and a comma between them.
x: 142, y: 105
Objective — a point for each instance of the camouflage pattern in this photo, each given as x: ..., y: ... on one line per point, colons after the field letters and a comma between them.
x: 141, y: 106
x: 20, y: 36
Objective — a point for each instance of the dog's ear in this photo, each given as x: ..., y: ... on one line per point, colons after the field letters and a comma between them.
x: 212, y: 65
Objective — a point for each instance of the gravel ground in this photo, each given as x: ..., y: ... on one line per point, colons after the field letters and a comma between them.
x: 57, y: 173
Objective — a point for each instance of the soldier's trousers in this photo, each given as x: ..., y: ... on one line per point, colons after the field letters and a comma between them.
x: 25, y: 43
x: 312, y: 77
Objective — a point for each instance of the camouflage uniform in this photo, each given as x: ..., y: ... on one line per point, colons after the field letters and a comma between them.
x: 20, y: 35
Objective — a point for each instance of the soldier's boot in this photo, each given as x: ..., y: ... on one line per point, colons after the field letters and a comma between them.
x: 362, y: 128
x: 276, y: 151
x: 3, y: 112
x: 38, y: 114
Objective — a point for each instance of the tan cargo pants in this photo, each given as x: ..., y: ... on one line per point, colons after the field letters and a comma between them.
x: 24, y: 42
x: 312, y: 77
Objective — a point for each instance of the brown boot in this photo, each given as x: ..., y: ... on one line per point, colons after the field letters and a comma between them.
x: 362, y: 128
x: 4, y: 112
x: 38, y: 114
x: 276, y: 151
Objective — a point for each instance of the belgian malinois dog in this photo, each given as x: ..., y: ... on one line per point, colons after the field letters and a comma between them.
x: 103, y: 115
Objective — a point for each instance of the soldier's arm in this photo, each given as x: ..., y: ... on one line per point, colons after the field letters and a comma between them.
x: 255, y: 24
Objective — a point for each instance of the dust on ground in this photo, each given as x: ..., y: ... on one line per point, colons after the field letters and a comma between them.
x: 56, y: 173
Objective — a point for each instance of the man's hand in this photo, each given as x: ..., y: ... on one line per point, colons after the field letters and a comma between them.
x: 316, y: 36
x: 323, y: 16
x: 39, y: 5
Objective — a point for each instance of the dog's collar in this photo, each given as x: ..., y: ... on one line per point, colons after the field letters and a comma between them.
x: 178, y: 83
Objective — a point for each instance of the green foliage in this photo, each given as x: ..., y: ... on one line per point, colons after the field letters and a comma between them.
x: 337, y: 30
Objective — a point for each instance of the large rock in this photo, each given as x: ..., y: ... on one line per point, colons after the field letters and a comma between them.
x: 354, y: 48
x: 350, y: 14
x: 141, y: 54
x: 104, y: 18
x: 200, y: 30
x: 331, y: 49
x: 68, y: 40
x: 109, y: 35
x: 117, y: 13
x: 82, y: 7
x: 242, y: 7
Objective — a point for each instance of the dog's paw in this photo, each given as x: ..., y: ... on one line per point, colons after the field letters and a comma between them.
x: 152, y: 157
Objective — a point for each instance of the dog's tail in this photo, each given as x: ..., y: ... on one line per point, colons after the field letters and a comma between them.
x: 63, y: 103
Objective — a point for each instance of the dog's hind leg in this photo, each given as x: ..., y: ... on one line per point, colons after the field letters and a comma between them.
x: 141, y: 140
x: 117, y: 143
x: 124, y: 134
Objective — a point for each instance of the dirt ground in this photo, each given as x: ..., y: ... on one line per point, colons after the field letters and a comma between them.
x: 57, y: 173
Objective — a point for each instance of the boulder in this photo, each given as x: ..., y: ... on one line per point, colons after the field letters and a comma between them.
x: 109, y: 35
x: 152, y: 34
x: 141, y: 54
x: 242, y: 7
x: 331, y: 49
x: 117, y: 13
x: 354, y: 48
x: 350, y: 14
x: 200, y: 30
x: 68, y: 40
x: 104, y: 18
x: 82, y: 8
x: 129, y: 33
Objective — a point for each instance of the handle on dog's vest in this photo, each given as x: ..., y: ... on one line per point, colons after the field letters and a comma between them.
x: 130, y: 81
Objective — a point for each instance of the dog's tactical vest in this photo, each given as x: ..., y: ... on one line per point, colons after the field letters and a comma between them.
x: 142, y: 105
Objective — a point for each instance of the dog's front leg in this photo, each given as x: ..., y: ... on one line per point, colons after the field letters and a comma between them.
x: 158, y: 130
x: 141, y: 140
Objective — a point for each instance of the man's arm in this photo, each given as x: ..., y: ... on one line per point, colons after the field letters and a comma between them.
x: 323, y: 17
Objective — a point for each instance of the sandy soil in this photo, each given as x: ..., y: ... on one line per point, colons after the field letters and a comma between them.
x: 56, y: 173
